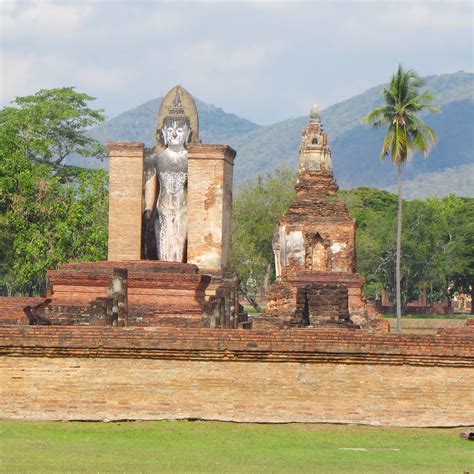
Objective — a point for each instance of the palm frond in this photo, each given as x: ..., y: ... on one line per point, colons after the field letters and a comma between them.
x: 376, y: 117
x: 388, y: 143
x: 400, y: 147
x: 390, y: 98
x: 406, y: 133
x: 423, y: 137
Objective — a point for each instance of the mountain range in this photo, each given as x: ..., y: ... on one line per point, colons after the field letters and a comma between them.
x: 355, y: 147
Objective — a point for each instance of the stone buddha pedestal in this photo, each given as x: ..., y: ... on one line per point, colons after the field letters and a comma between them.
x: 209, y: 239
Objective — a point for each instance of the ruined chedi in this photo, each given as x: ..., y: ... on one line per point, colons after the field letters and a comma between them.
x: 314, y: 247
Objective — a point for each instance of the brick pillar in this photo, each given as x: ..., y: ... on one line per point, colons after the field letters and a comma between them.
x: 210, y: 173
x: 125, y: 200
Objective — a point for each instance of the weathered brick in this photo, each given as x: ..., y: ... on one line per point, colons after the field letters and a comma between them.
x: 301, y: 375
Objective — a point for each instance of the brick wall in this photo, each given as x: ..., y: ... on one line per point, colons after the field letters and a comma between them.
x: 125, y: 200
x: 342, y: 376
x: 14, y: 309
x: 210, y: 171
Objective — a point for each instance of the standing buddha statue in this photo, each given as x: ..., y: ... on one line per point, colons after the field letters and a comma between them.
x: 166, y: 184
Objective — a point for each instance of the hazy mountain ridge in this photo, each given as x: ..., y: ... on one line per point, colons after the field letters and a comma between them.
x: 355, y: 146
x: 262, y: 149
x: 139, y: 124
x: 458, y: 180
x: 358, y: 149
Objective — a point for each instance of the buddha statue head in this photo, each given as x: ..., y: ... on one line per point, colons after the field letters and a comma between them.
x: 176, y: 127
x: 175, y: 133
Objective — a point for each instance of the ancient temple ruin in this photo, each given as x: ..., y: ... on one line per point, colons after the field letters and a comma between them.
x: 70, y: 356
x: 314, y: 245
x: 170, y: 211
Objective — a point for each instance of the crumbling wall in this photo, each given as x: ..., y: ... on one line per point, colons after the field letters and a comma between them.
x: 322, y: 306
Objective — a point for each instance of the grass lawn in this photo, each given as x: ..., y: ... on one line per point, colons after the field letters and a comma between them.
x: 182, y: 446
x: 446, y: 317
x: 420, y: 324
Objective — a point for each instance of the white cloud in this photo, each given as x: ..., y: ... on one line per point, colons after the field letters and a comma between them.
x: 252, y: 56
x: 265, y: 60
x: 16, y: 74
x: 25, y: 74
x: 423, y: 16
x: 43, y: 18
x: 228, y: 59
x: 162, y: 21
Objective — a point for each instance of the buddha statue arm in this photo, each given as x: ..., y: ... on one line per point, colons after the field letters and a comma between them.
x: 150, y: 191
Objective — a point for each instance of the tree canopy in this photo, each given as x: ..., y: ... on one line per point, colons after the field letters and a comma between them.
x: 258, y: 206
x: 437, y: 238
x: 49, y: 213
x: 50, y: 125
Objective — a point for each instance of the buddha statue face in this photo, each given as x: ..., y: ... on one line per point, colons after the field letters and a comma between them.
x: 175, y: 133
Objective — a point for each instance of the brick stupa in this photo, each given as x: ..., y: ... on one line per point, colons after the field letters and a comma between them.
x: 314, y: 247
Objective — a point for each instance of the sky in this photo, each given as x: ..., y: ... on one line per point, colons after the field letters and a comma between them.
x: 265, y: 61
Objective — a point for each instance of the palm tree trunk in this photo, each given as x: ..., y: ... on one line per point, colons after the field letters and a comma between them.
x: 399, y: 249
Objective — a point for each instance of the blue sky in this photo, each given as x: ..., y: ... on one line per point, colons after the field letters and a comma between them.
x: 266, y: 61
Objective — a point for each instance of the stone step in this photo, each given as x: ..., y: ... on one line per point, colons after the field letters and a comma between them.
x: 13, y: 309
x: 153, y: 266
x: 135, y: 279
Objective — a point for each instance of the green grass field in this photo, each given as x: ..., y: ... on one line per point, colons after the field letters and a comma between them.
x: 182, y: 446
x: 420, y: 324
x: 445, y: 317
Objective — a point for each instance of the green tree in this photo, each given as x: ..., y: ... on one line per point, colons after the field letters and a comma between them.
x: 257, y: 207
x: 406, y: 134
x: 50, y: 125
x: 54, y: 222
x: 49, y: 213
x: 461, y: 262
x: 437, y: 240
x: 375, y: 212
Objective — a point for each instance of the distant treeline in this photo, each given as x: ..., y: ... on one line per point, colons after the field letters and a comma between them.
x: 54, y: 218
x: 438, y: 238
x: 51, y: 213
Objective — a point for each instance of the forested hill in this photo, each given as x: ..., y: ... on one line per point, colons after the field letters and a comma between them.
x: 356, y: 147
x: 139, y: 124
x: 262, y: 149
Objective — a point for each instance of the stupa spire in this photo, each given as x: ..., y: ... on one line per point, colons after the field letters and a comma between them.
x: 315, y: 153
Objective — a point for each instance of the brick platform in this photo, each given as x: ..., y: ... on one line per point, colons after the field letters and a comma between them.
x: 300, y: 375
x: 14, y: 309
x: 159, y: 293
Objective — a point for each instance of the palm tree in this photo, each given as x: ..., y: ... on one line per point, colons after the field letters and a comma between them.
x: 406, y: 134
